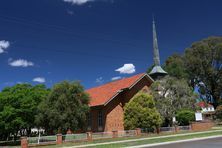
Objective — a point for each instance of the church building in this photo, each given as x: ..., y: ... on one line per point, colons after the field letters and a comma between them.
x: 107, y: 101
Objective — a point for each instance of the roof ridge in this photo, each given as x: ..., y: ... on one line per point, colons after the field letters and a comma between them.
x: 103, y: 93
x: 116, y: 81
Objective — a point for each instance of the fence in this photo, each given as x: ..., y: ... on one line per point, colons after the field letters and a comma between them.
x: 74, y: 137
x: 102, y: 135
x: 166, y: 129
x: 148, y: 130
x: 10, y: 143
x: 184, y: 128
x: 42, y: 139
x: 175, y: 129
x: 58, y: 139
x: 129, y: 133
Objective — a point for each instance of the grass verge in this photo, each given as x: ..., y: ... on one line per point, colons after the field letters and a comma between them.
x: 149, y: 139
x: 160, y: 140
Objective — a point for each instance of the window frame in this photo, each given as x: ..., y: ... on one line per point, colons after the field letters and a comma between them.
x: 100, y: 118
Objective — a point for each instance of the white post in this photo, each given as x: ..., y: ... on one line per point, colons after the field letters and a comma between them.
x: 39, y: 137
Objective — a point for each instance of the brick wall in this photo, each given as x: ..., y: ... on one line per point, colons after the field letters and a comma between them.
x: 114, y: 115
x: 142, y: 86
x: 201, y: 126
x: 113, y: 111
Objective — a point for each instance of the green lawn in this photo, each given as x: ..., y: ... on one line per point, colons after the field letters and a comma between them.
x: 151, y: 141
x: 140, y: 141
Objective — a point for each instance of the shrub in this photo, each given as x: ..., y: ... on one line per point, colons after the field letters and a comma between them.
x: 141, y: 112
x: 184, y: 117
x: 218, y: 113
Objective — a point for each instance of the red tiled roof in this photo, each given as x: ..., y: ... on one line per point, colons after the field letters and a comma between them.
x: 203, y: 104
x: 101, y: 94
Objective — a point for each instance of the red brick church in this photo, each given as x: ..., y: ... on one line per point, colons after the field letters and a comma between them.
x: 108, y: 100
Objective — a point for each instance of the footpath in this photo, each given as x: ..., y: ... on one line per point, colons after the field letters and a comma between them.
x: 151, y: 138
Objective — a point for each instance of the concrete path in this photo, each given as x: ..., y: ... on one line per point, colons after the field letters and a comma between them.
x: 139, y: 139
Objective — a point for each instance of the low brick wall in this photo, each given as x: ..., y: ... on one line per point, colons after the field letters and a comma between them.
x: 89, y: 136
x: 201, y: 126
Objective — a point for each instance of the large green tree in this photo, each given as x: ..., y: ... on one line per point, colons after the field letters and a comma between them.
x: 175, y: 66
x: 203, y: 61
x: 172, y: 94
x: 200, y: 64
x: 141, y: 112
x: 18, y: 106
x: 65, y: 108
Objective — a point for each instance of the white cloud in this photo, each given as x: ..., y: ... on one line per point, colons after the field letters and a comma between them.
x: 126, y: 69
x: 115, y: 78
x: 77, y: 2
x: 4, y: 45
x: 39, y: 80
x: 20, y: 63
x: 99, y: 80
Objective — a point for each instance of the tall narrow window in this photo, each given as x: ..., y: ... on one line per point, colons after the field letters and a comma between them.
x: 100, y: 119
x: 89, y: 120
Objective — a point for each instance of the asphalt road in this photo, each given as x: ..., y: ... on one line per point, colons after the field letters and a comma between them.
x: 207, y: 143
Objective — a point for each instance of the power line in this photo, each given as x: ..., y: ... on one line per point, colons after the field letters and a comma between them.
x: 62, y: 29
x: 75, y: 52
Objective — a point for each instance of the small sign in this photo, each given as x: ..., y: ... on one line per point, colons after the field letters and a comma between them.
x: 198, y: 116
x: 174, y: 119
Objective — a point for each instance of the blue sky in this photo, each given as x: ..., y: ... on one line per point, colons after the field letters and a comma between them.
x: 47, y: 41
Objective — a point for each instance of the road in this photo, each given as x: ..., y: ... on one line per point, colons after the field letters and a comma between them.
x: 207, y: 143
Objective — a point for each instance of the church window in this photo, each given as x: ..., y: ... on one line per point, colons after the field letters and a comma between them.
x: 100, y: 119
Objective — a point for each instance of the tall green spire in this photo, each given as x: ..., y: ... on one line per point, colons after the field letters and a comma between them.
x: 157, y: 71
x: 156, y: 56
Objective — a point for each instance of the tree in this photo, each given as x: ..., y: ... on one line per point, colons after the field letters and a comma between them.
x: 140, y: 112
x: 150, y: 69
x: 218, y: 113
x: 175, y: 67
x: 18, y: 106
x: 203, y: 61
x: 185, y: 116
x: 172, y: 94
x: 65, y: 108
x: 201, y: 65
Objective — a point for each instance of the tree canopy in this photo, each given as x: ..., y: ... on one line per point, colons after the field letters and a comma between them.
x: 203, y: 61
x: 18, y: 107
x: 200, y: 64
x: 172, y: 94
x: 141, y: 112
x: 65, y: 108
x: 175, y: 67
